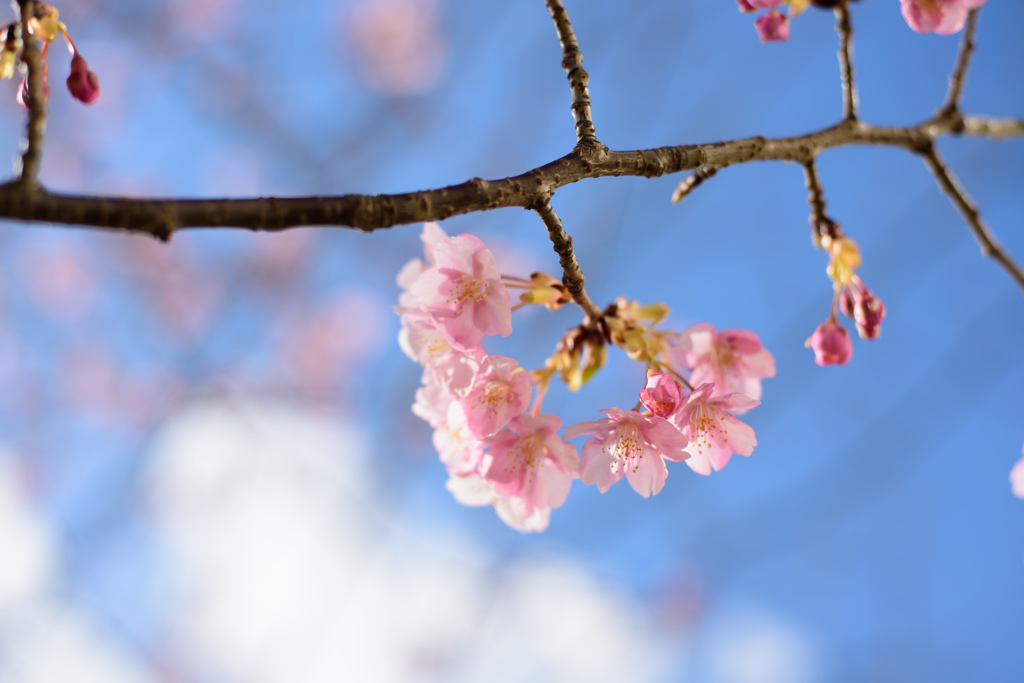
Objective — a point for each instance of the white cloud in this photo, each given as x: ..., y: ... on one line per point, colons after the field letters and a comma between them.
x: 284, y: 568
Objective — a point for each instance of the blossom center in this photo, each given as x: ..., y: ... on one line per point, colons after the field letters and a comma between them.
x: 467, y: 290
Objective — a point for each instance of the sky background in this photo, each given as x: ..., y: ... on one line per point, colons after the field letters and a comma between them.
x: 208, y: 468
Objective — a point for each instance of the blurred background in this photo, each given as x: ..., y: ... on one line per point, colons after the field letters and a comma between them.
x: 209, y: 472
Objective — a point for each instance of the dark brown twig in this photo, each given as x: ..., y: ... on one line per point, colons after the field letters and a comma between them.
x: 956, y: 77
x: 821, y: 224
x: 845, y: 31
x: 572, y: 62
x: 572, y: 276
x: 952, y: 188
x: 31, y: 158
x: 692, y: 182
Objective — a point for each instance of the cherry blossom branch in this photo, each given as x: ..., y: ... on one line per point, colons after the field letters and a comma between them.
x: 572, y: 62
x: 572, y: 276
x: 821, y: 224
x: 692, y: 182
x: 161, y: 217
x: 952, y: 188
x: 31, y: 158
x: 956, y: 77
x: 845, y: 31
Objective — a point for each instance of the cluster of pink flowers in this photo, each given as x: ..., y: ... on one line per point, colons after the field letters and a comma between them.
x: 831, y: 342
x: 924, y: 16
x: 497, y: 452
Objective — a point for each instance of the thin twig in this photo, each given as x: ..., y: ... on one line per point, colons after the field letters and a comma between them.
x: 572, y: 276
x: 956, y: 77
x: 692, y: 182
x: 572, y: 62
x: 845, y: 31
x: 31, y: 158
x: 961, y: 200
x: 821, y: 224
x: 993, y: 129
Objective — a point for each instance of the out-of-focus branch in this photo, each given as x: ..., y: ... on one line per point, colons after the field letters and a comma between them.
x: 31, y: 158
x: 572, y: 276
x: 692, y: 182
x: 993, y: 129
x: 572, y: 62
x: 972, y: 216
x: 956, y: 77
x: 845, y: 31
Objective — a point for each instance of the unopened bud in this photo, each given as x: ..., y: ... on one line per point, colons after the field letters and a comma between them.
x: 868, y: 314
x: 83, y: 84
x: 830, y: 343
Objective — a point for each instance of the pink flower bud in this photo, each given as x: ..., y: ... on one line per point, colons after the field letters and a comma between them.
x: 745, y: 6
x: 662, y: 394
x: 830, y: 343
x: 868, y: 313
x: 772, y: 27
x: 83, y: 84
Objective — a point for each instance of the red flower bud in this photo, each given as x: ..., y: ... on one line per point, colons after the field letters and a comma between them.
x: 83, y: 84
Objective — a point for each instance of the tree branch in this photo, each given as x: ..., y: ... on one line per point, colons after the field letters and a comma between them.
x: 845, y: 31
x: 31, y: 158
x: 956, y: 77
x: 161, y: 217
x: 572, y: 276
x: 950, y: 185
x: 993, y: 129
x: 572, y: 62
x: 692, y: 182
x: 821, y: 224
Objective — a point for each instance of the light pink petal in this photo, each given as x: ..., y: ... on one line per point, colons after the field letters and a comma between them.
x: 410, y: 272
x: 759, y: 365
x: 740, y: 435
x: 699, y: 463
x: 513, y: 512
x: 648, y: 478
x: 588, y: 427
x: 741, y: 341
x: 471, y: 490
x: 595, y: 466
x: 1017, y: 478
x: 667, y: 439
x: 550, y: 486
x: 431, y: 236
x: 695, y: 343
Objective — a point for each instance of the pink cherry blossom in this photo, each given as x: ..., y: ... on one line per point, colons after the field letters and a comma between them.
x: 733, y: 360
x: 1017, y: 477
x: 713, y: 433
x: 500, y: 391
x: 422, y: 340
x: 628, y: 443
x: 830, y: 343
x: 772, y: 27
x: 411, y: 271
x: 456, y: 445
x: 528, y: 460
x: 474, y: 491
x: 940, y: 16
x: 432, y: 401
x: 463, y: 291
x: 662, y: 395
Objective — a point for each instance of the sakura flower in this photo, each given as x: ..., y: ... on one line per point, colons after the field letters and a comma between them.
x: 772, y: 27
x: 830, y: 343
x: 941, y: 16
x: 513, y: 511
x: 473, y: 490
x: 432, y: 402
x: 500, y: 391
x: 410, y: 272
x: 628, y: 444
x: 1017, y: 477
x: 713, y: 433
x: 733, y: 360
x: 456, y: 445
x: 463, y: 291
x: 422, y: 341
x: 529, y: 461
x: 662, y: 394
